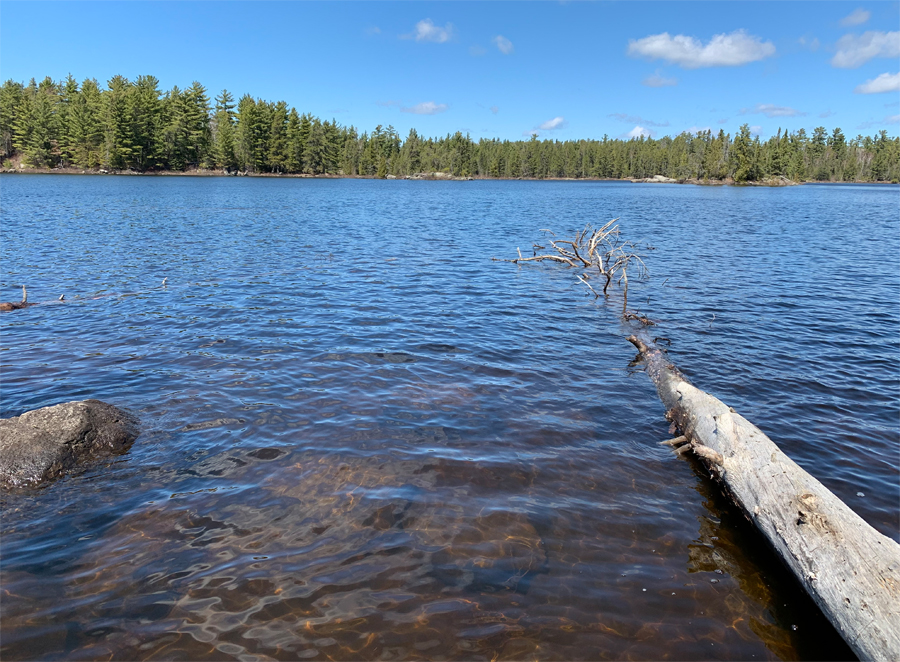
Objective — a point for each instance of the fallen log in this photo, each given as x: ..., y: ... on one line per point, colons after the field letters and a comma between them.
x: 8, y: 306
x: 850, y: 570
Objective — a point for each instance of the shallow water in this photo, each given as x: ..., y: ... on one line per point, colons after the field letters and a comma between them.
x: 363, y: 439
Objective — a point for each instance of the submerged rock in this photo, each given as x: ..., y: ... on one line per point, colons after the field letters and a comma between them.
x: 45, y: 443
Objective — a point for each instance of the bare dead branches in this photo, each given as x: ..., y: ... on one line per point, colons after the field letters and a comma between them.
x: 602, y: 249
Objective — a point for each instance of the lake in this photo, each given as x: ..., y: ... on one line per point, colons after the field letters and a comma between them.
x: 364, y: 439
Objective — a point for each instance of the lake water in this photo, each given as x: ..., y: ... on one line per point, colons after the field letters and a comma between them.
x: 364, y: 439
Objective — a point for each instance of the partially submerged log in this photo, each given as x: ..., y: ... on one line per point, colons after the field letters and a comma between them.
x: 849, y: 569
x: 8, y: 306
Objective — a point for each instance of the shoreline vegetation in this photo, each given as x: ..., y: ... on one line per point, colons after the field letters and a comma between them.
x: 419, y: 176
x: 133, y: 127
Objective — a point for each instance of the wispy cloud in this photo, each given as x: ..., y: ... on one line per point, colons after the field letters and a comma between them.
x: 890, y: 119
x: 770, y: 110
x: 724, y: 120
x: 812, y: 44
x: 425, y: 108
x: 694, y: 130
x: 373, y: 30
x: 886, y: 82
x: 827, y: 113
x: 637, y: 132
x: 629, y: 119
x: 388, y: 103
x: 495, y: 109
x: 426, y: 30
x: 477, y: 51
x: 723, y: 50
x: 658, y: 80
x: 855, y: 50
x: 756, y: 130
x: 503, y: 44
x: 856, y: 17
x: 553, y: 125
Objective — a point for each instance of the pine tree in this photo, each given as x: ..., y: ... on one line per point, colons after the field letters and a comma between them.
x: 86, y: 125
x: 294, y: 161
x: 12, y: 101
x: 68, y: 97
x: 278, y: 138
x: 196, y: 125
x: 117, y: 124
x: 37, y: 129
x: 244, y: 150
x: 742, y: 155
x: 315, y: 151
x: 146, y: 109
x: 838, y: 146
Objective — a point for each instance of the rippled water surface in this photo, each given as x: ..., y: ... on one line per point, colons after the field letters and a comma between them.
x: 364, y: 439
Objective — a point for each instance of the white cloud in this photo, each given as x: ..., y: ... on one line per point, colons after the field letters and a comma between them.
x: 892, y: 119
x: 770, y: 110
x: 658, y: 80
x: 504, y: 44
x: 827, y: 113
x: 425, y: 108
x: 629, y: 119
x: 886, y: 82
x: 694, y: 130
x: 723, y: 50
x: 855, y: 50
x: 639, y: 131
x: 857, y: 17
x: 373, y: 30
x: 812, y: 44
x: 756, y: 129
x: 476, y: 51
x: 495, y: 109
x: 552, y: 125
x: 426, y: 30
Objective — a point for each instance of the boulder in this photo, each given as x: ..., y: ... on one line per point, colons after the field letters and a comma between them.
x: 46, y: 443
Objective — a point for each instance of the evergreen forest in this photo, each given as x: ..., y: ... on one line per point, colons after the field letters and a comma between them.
x: 132, y: 125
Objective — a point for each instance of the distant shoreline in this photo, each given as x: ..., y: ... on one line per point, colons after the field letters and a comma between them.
x: 775, y: 182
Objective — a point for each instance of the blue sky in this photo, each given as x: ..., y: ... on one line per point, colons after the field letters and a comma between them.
x: 494, y: 69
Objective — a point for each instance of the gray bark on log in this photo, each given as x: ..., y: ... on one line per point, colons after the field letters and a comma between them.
x: 849, y: 569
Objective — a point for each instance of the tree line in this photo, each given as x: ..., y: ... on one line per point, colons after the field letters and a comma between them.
x: 134, y: 125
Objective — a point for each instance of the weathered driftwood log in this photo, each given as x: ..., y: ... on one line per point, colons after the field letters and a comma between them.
x: 849, y: 569
x: 45, y: 443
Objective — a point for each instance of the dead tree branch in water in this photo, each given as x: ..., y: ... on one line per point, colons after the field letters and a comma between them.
x: 593, y: 248
x: 7, y: 306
